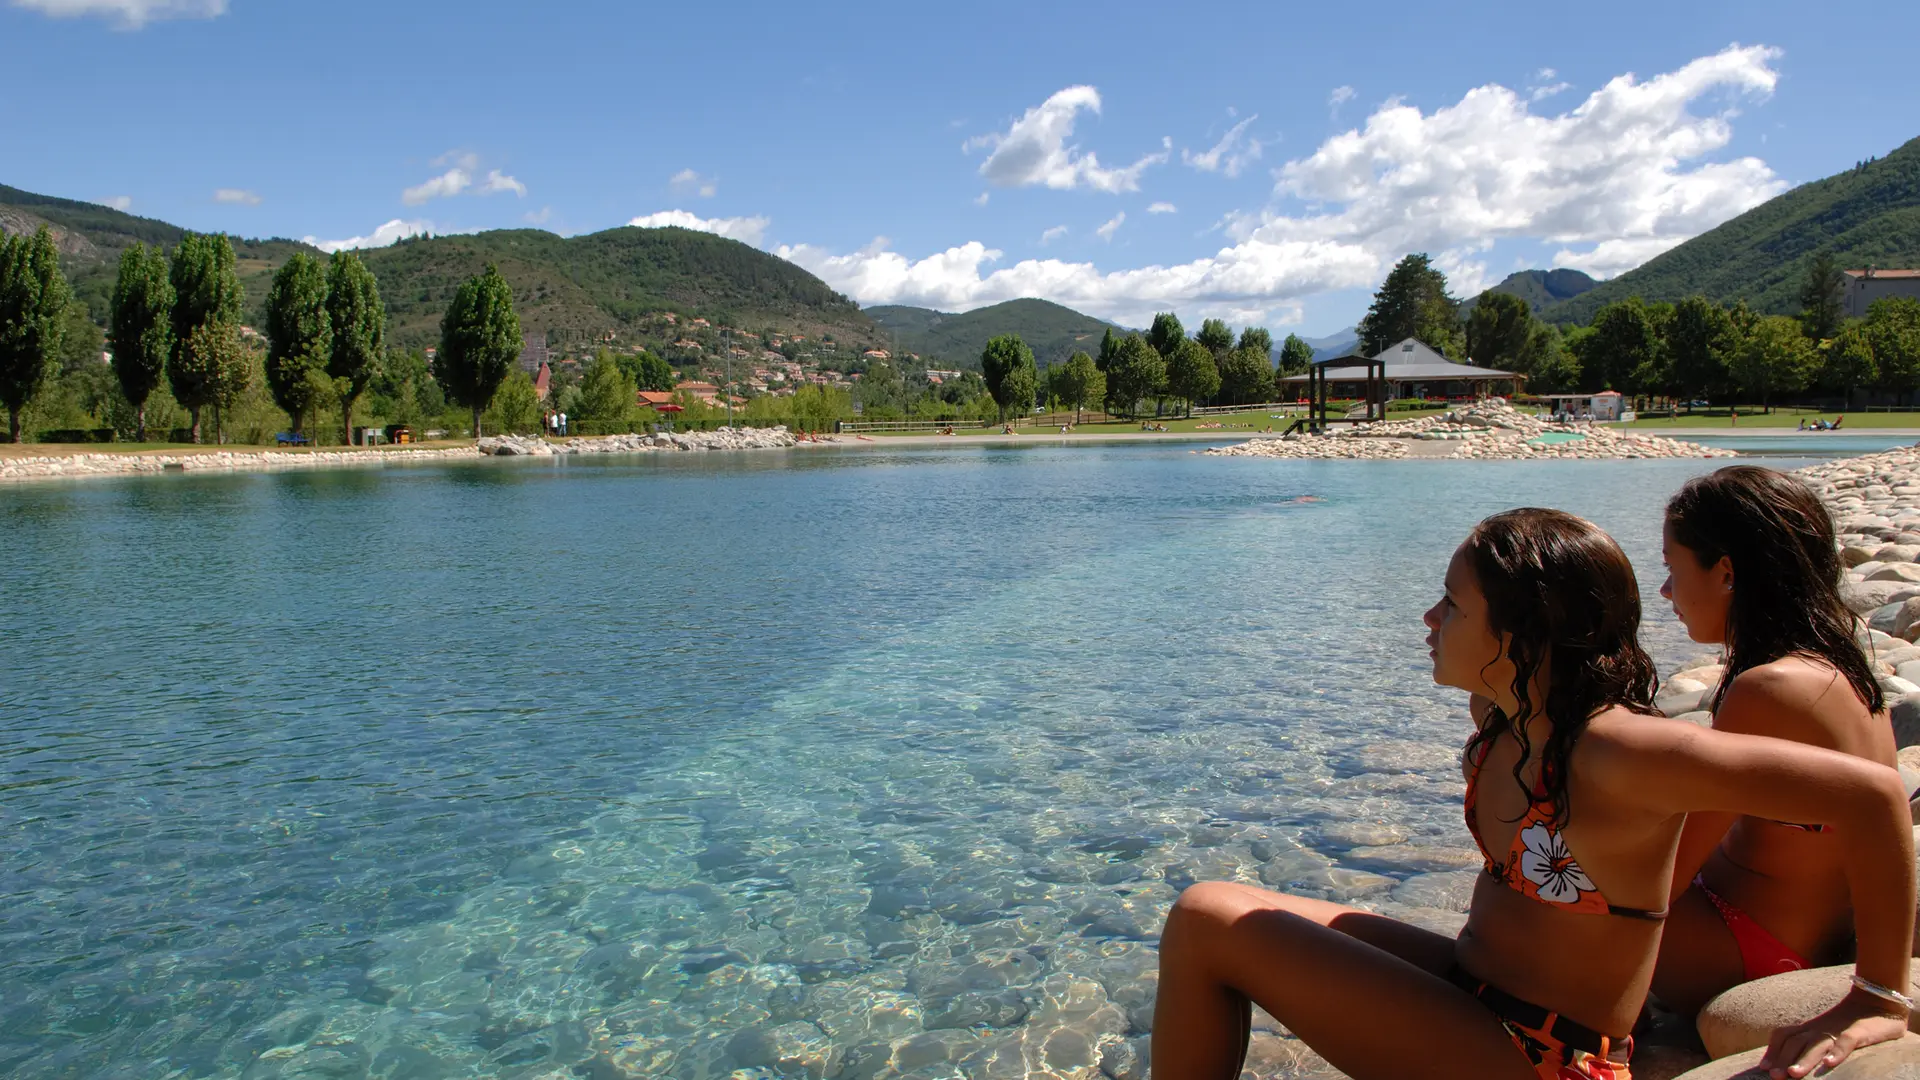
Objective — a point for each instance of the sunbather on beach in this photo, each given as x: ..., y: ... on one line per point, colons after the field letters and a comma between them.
x: 1752, y: 565
x: 1577, y: 795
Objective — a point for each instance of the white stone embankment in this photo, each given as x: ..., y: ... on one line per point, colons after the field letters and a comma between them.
x: 52, y: 467
x: 1487, y: 430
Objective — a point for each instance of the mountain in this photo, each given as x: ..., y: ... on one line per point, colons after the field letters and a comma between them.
x: 1539, y: 288
x: 567, y: 286
x: 1053, y: 332
x: 1868, y: 215
x: 1337, y: 344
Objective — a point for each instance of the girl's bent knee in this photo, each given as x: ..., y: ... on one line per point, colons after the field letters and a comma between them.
x: 1209, y: 902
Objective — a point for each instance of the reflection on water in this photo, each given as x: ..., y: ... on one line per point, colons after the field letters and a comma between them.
x: 873, y: 764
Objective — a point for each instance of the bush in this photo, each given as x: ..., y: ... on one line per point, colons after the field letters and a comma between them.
x: 75, y: 435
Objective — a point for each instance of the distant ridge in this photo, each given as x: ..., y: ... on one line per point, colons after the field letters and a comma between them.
x: 587, y: 284
x: 1540, y: 288
x: 1867, y: 215
x: 1052, y: 331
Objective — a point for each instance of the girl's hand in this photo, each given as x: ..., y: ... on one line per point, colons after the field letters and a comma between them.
x: 1860, y: 1019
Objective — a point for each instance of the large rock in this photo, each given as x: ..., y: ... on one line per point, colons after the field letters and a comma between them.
x: 1905, y: 714
x: 1888, y: 1061
x: 1744, y: 1017
x: 1862, y: 597
x: 1900, y: 571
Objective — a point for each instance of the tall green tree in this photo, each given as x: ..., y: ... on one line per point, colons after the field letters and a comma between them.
x: 1191, y: 374
x: 1547, y: 362
x: 1412, y: 303
x: 299, y: 334
x: 653, y: 374
x: 1216, y: 337
x: 479, y: 341
x: 607, y: 398
x: 1893, y: 329
x: 1822, y: 297
x: 214, y: 364
x: 1624, y: 341
x: 1166, y: 334
x: 33, y: 311
x: 206, y: 291
x: 1700, y: 342
x: 1007, y: 365
x: 1109, y: 351
x: 1296, y: 356
x: 515, y: 408
x: 1497, y: 331
x: 357, y: 321
x: 1246, y: 377
x: 1079, y: 382
x: 1257, y: 338
x: 1137, y: 372
x: 1849, y: 361
x: 1777, y: 359
x: 140, y: 327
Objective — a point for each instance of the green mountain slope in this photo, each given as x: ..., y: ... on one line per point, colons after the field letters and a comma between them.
x: 1868, y: 215
x: 1053, y: 332
x: 1540, y: 288
x: 582, y: 285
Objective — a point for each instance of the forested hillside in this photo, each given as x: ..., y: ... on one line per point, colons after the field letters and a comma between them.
x: 1053, y: 332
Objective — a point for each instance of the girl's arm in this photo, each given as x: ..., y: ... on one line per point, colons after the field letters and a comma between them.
x: 1664, y: 769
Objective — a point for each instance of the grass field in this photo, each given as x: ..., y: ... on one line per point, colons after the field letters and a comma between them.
x: 1785, y: 417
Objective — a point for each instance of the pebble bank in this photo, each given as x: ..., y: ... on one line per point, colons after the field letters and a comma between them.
x: 82, y: 465
x: 1487, y: 430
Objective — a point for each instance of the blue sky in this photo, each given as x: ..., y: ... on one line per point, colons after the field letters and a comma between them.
x: 1261, y: 162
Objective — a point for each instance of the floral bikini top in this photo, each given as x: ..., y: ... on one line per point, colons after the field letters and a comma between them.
x: 1538, y: 864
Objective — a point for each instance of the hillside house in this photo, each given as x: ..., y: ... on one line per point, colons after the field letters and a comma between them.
x: 1863, y: 287
x: 700, y: 322
x: 705, y: 391
x: 690, y: 346
x: 542, y: 382
x: 653, y: 399
x: 876, y: 354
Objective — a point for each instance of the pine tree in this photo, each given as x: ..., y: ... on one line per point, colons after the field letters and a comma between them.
x: 1412, y: 303
x: 140, y: 327
x: 1821, y: 297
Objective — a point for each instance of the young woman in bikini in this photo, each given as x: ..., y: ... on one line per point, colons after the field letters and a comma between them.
x: 1752, y: 565
x: 1577, y: 797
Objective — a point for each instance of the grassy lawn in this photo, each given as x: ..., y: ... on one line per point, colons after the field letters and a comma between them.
x: 29, y: 450
x: 1781, y: 417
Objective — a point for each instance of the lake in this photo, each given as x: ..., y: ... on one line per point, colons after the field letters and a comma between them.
x: 861, y: 763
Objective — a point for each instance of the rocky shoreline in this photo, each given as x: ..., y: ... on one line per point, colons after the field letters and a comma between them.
x: 1486, y: 430
x: 15, y: 470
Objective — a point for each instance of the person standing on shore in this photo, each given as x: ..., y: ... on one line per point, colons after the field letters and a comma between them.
x: 1752, y: 565
x: 1577, y: 792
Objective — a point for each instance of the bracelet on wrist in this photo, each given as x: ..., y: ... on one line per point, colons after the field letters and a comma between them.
x: 1884, y: 993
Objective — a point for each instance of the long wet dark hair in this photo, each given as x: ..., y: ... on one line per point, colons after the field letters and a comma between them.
x: 1564, y: 594
x: 1786, y: 572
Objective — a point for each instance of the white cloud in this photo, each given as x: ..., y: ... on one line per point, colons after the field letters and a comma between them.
x: 688, y: 182
x: 389, y: 233
x: 1228, y: 155
x: 1105, y: 232
x: 1163, y: 208
x: 1545, y: 84
x: 465, y: 159
x: 1034, y: 150
x: 540, y: 216
x: 498, y: 181
x: 236, y: 197
x: 445, y: 186
x: 1340, y: 96
x: 1626, y: 164
x: 127, y: 14
x: 981, y: 199
x: 1625, y: 174
x: 747, y: 230
x: 1053, y: 234
x: 122, y: 203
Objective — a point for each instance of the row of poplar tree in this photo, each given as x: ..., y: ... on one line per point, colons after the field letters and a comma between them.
x: 1209, y: 367
x: 178, y: 317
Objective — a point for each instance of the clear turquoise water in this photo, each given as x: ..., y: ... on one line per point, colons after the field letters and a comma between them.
x: 872, y: 763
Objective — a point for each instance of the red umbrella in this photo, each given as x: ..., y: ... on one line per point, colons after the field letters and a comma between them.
x: 669, y: 408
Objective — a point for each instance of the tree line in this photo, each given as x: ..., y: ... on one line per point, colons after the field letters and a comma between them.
x: 175, y: 319
x: 1210, y: 367
x: 1690, y: 350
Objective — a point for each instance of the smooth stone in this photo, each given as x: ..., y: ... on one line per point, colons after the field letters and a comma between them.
x: 1901, y: 655
x: 1861, y: 571
x: 1905, y: 715
x: 1854, y: 555
x: 1744, y: 1017
x: 1897, y: 553
x: 1895, y: 686
x: 1361, y: 834
x: 1446, y: 890
x: 1888, y: 1061
x: 1862, y: 597
x: 1909, y: 614
x: 1886, y: 617
x: 1413, y: 858
x: 1900, y: 571
x: 1675, y: 703
x: 1708, y: 676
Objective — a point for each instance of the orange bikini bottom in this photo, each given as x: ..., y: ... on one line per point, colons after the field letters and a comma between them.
x: 1558, y: 1048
